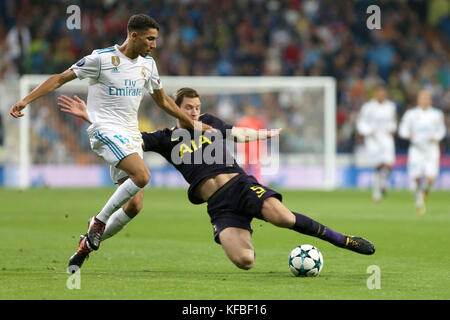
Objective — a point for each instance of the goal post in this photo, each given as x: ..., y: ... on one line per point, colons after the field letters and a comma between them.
x: 308, y: 105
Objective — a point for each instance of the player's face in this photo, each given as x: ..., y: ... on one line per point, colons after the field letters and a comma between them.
x: 191, y: 107
x: 380, y: 94
x: 145, y: 41
x: 424, y: 99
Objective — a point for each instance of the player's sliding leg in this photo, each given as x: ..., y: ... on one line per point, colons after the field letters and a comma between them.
x: 139, y: 176
x: 276, y: 213
x: 237, y: 244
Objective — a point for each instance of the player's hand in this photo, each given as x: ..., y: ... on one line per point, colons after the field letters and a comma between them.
x: 273, y: 133
x: 74, y: 106
x: 203, y: 127
x: 16, y: 110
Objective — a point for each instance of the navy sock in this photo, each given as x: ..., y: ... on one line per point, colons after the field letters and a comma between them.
x: 308, y: 226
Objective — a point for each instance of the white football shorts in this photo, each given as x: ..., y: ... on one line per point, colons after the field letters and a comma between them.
x: 112, y: 145
x: 380, y: 151
x: 423, y: 163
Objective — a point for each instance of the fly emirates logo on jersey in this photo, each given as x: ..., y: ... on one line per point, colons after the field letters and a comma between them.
x: 129, y: 90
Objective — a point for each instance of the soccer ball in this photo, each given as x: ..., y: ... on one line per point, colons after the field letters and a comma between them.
x: 305, y: 261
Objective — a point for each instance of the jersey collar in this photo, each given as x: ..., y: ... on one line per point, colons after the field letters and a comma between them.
x: 124, y: 56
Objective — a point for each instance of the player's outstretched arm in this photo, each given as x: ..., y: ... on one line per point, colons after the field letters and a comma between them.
x: 167, y: 104
x: 52, y: 83
x: 242, y: 134
x: 74, y: 106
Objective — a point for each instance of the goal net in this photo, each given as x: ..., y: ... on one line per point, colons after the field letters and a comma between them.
x: 50, y: 148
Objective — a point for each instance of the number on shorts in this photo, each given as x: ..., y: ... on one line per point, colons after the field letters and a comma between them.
x: 122, y: 139
x: 259, y: 191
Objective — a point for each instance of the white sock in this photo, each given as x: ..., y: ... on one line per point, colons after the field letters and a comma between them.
x: 419, y: 194
x: 413, y: 187
x: 384, y: 178
x: 116, y: 222
x: 377, y: 186
x: 426, y: 186
x: 419, y: 198
x: 123, y: 193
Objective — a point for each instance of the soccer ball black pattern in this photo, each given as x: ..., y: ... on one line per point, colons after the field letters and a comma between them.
x: 305, y: 261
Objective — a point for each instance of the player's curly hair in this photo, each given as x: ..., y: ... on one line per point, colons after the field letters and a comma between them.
x: 179, y: 95
x: 139, y: 22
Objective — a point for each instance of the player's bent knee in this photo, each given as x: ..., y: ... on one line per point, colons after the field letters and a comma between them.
x: 141, y: 178
x: 145, y: 177
x: 245, y: 261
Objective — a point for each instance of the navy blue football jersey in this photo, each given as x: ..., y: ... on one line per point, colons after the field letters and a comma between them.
x: 194, y: 154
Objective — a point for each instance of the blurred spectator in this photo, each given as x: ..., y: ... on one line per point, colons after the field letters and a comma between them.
x: 1, y: 132
x: 18, y: 40
x: 7, y: 67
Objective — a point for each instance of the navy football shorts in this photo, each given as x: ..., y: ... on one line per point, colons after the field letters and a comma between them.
x: 237, y: 202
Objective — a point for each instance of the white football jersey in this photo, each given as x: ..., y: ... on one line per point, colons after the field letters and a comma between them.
x: 377, y: 118
x: 423, y: 125
x: 116, y: 86
x: 377, y: 122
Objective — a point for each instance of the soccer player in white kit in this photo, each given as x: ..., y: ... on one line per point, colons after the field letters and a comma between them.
x: 118, y: 76
x: 377, y: 122
x: 424, y: 127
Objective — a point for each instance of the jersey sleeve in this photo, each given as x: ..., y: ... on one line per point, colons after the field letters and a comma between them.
x: 404, y: 129
x: 440, y: 127
x: 153, y: 141
x: 87, y: 67
x: 154, y: 82
x: 392, y: 125
x: 362, y: 122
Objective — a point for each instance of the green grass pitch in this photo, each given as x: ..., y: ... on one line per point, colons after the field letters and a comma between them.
x: 168, y: 251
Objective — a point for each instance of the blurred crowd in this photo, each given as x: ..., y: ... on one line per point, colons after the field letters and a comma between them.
x: 257, y: 38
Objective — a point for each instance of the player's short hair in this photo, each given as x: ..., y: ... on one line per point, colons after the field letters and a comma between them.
x: 179, y: 95
x: 140, y: 22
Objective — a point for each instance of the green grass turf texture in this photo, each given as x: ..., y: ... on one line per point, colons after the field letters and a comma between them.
x: 168, y: 251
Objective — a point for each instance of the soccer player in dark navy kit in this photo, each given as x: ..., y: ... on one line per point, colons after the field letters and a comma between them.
x: 233, y: 197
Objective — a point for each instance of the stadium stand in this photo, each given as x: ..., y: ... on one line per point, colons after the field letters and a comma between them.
x: 253, y: 37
